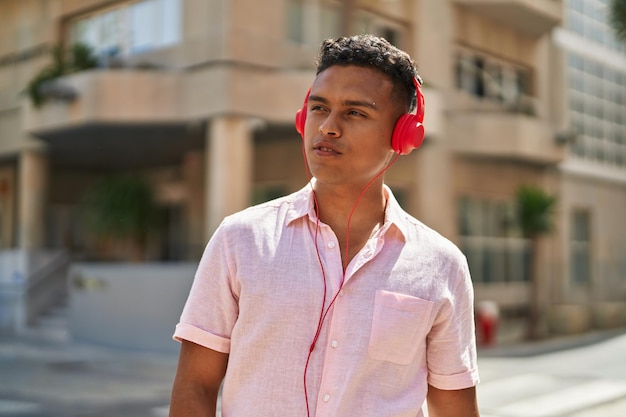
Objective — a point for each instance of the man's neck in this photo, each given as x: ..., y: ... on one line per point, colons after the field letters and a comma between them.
x: 336, y: 208
x: 338, y: 202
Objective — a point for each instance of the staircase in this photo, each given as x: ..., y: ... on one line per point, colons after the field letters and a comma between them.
x: 51, y: 325
x: 47, y: 299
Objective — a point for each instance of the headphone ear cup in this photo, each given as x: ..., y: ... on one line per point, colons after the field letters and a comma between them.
x: 301, y: 115
x: 300, y: 121
x: 408, y: 134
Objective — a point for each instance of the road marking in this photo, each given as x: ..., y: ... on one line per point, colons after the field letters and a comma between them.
x: 563, y: 401
x: 10, y: 407
x: 160, y: 411
x: 496, y: 393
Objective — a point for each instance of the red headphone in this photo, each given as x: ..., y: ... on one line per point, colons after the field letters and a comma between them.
x: 408, y: 133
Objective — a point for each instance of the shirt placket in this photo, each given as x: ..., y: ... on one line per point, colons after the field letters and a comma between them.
x: 333, y: 366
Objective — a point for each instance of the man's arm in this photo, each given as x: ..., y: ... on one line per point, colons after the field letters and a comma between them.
x: 452, y: 403
x: 198, y: 379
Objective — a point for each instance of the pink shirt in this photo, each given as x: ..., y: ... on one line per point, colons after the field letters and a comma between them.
x: 404, y: 318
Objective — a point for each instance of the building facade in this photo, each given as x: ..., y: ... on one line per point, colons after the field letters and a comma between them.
x: 199, y: 97
x: 592, y: 179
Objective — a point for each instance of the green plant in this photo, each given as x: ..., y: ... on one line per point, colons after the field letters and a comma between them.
x: 122, y: 207
x: 52, y: 71
x: 617, y: 18
x: 535, y: 209
x: 81, y: 58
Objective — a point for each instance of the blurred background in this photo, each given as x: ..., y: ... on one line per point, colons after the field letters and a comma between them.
x: 129, y: 129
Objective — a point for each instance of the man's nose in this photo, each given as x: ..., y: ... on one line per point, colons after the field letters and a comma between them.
x: 330, y: 126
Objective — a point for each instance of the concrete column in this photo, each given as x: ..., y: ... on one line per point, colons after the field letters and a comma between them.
x: 193, y: 170
x: 437, y: 203
x: 229, y: 168
x: 32, y: 184
x: 7, y: 207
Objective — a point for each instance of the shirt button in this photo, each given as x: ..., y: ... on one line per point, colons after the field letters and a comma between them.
x: 334, y: 343
x: 326, y: 398
x: 340, y: 293
x: 331, y: 245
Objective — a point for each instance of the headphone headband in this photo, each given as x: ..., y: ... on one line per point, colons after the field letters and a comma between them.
x: 408, y: 133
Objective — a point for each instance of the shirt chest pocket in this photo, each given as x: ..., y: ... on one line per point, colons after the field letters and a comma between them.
x: 399, y: 326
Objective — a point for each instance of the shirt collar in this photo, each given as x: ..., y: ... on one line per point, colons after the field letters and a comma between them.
x: 394, y: 214
x: 303, y: 205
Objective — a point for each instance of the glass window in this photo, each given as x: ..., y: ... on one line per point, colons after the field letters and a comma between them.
x: 493, y: 81
x: 328, y: 15
x: 491, y: 78
x: 389, y: 33
x: 330, y: 21
x: 295, y: 21
x: 580, y: 252
x: 590, y: 19
x: 130, y: 28
x: 596, y: 97
x: 466, y: 73
x: 171, y: 21
x: 142, y: 33
x: 489, y: 239
x: 479, y: 76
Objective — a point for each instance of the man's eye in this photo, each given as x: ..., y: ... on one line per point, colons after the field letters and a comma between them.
x: 316, y: 108
x: 355, y: 113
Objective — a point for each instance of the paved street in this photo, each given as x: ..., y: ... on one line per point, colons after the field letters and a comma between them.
x: 40, y: 378
x: 583, y: 376
x: 588, y: 380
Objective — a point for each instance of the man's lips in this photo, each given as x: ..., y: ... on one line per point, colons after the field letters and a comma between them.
x: 323, y: 148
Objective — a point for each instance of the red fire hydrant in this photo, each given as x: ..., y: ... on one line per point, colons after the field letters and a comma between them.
x: 487, y: 318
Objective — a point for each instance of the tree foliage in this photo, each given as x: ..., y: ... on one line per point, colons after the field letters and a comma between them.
x: 617, y: 17
x: 122, y: 207
x: 534, y: 209
x: 79, y: 58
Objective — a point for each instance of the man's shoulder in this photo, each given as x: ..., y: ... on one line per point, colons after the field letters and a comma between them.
x: 418, y: 234
x: 429, y: 239
x: 272, y: 211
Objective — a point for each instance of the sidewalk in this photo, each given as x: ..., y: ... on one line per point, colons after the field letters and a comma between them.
x: 42, y: 376
x: 55, y: 378
x: 516, y: 346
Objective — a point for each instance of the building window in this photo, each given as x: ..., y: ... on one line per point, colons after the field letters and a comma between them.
x: 589, y: 19
x: 295, y: 20
x: 580, y: 247
x: 327, y: 25
x: 329, y: 21
x: 489, y: 237
x: 368, y: 22
x: 130, y: 28
x: 597, y: 92
x: 597, y: 105
x: 494, y: 80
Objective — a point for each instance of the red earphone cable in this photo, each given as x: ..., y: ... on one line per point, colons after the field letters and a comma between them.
x: 323, y: 312
x: 393, y: 161
x: 319, y: 259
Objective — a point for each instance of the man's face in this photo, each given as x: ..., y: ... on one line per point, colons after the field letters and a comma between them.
x: 350, y: 120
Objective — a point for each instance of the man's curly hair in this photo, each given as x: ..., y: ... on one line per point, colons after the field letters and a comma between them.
x: 373, y: 52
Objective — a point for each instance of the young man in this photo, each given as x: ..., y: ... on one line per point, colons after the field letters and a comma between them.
x: 333, y: 301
